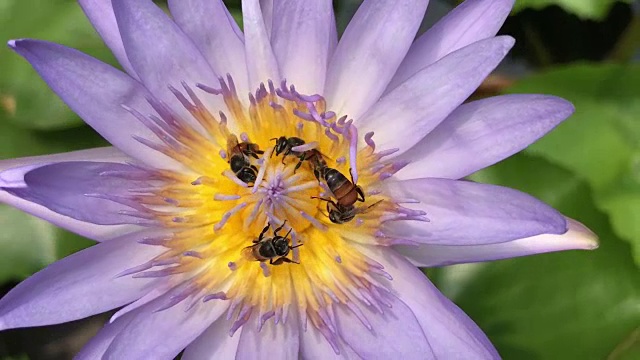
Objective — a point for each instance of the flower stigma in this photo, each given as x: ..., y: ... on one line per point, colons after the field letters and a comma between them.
x: 269, y: 215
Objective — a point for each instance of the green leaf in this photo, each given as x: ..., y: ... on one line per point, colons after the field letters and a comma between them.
x: 31, y: 103
x: 586, y: 9
x: 601, y: 141
x: 569, y: 305
x: 29, y: 244
x: 19, y: 142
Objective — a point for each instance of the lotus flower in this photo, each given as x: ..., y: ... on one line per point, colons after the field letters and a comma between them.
x: 270, y: 192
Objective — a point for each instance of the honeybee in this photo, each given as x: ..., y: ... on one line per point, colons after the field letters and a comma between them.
x: 285, y: 145
x: 274, y: 249
x: 239, y: 158
x: 346, y: 193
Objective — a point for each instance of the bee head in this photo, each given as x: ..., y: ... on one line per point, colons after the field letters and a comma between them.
x: 281, y: 144
x: 281, y: 245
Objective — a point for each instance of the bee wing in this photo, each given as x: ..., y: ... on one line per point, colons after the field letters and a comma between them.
x: 247, y: 253
x: 325, y: 156
x: 232, y: 142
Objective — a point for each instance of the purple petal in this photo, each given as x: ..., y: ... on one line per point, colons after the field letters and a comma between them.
x: 99, y: 344
x: 408, y: 113
x: 79, y: 285
x: 100, y: 13
x: 369, y: 53
x: 471, y: 21
x: 578, y: 237
x: 163, y: 55
x: 275, y: 341
x: 261, y: 61
x: 214, y: 31
x: 396, y: 334
x: 92, y: 231
x: 467, y: 213
x: 267, y: 14
x: 301, y: 40
x: 483, y: 132
x: 162, y: 334
x: 215, y: 343
x: 95, y: 91
x: 451, y: 333
x: 68, y: 188
x: 313, y: 345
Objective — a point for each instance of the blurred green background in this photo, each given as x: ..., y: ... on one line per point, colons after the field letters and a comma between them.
x: 572, y: 305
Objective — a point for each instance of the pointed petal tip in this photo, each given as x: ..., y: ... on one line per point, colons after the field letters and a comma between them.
x: 581, y: 236
x: 507, y: 42
x: 17, y: 45
x: 20, y: 45
x: 565, y: 106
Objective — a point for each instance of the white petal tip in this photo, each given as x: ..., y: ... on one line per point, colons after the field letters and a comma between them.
x: 581, y: 236
x: 12, y: 43
x: 508, y: 42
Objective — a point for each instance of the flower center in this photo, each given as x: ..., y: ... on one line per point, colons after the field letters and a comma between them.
x: 269, y: 214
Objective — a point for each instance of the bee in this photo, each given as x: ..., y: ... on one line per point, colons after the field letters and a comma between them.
x: 346, y: 193
x: 313, y: 156
x: 239, y: 158
x: 274, y: 249
x: 285, y: 145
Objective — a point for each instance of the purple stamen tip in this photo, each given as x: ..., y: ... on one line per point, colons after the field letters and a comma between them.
x: 263, y: 319
x: 368, y: 139
x: 223, y: 118
x: 232, y: 266
x: 209, y: 89
x: 265, y: 269
x: 171, y: 201
x: 217, y: 296
x: 192, y: 253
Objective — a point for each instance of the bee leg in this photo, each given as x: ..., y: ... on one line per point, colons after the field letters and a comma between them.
x: 287, y: 260
x: 297, y: 246
x: 259, y: 152
x: 275, y: 232
x: 288, y: 232
x: 298, y: 164
x: 330, y: 203
x: 360, y: 193
x: 264, y: 231
x: 284, y: 156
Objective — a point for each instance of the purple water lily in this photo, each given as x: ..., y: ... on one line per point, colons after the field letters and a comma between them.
x: 270, y: 192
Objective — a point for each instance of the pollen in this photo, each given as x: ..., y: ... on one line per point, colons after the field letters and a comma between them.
x: 270, y: 209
